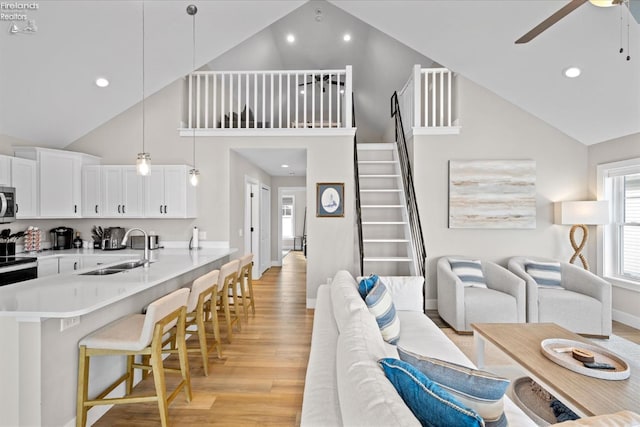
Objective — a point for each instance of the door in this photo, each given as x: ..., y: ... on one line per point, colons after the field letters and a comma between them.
x: 23, y: 178
x: 251, y: 224
x: 112, y: 186
x: 132, y: 192
x: 265, y: 228
x: 91, y: 191
x: 154, y: 193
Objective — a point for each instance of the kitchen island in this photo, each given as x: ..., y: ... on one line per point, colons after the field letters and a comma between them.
x: 42, y: 320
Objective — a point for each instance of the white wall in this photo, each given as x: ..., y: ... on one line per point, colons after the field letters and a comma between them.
x: 626, y: 302
x: 492, y: 128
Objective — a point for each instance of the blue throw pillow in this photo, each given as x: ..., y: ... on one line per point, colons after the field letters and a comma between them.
x: 546, y: 274
x: 366, y: 284
x: 380, y: 304
x: 480, y: 390
x: 430, y: 403
x: 469, y: 272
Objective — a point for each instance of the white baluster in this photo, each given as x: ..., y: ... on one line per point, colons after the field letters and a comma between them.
x: 222, y: 110
x: 280, y: 100
x: 231, y: 100
x: 206, y: 101
x: 330, y: 106
x: 271, y: 102
x: 347, y: 102
x: 449, y: 98
x: 246, y: 101
x: 198, y: 101
x: 190, y: 101
x: 288, y: 100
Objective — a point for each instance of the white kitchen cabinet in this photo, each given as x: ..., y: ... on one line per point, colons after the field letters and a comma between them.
x: 92, y: 206
x: 47, y: 267
x: 123, y: 191
x: 59, y: 180
x: 24, y: 179
x: 168, y: 193
x: 68, y: 264
x: 5, y: 171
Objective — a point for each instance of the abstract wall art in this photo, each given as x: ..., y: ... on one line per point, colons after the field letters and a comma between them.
x: 492, y: 194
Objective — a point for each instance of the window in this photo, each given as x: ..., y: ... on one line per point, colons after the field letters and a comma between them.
x: 620, y: 183
x: 287, y: 217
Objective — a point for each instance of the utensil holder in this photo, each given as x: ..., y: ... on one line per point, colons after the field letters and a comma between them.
x: 8, y: 249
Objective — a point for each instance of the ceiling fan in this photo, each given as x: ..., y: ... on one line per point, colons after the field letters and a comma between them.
x: 325, y: 79
x: 564, y: 11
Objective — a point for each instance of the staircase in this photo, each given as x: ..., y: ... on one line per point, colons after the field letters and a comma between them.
x: 387, y: 248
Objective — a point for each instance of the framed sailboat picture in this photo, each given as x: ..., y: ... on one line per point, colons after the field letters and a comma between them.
x: 330, y: 199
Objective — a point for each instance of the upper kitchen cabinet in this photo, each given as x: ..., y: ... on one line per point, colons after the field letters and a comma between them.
x: 59, y: 180
x: 24, y: 175
x: 92, y: 204
x: 5, y: 171
x: 168, y: 193
x: 122, y: 191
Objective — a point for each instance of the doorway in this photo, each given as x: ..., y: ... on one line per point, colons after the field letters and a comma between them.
x: 251, y: 223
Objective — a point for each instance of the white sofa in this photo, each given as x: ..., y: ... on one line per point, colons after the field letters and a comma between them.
x: 344, y: 384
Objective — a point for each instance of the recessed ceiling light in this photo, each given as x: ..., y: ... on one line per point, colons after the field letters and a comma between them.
x: 291, y: 38
x: 572, y: 72
x: 346, y: 37
x: 284, y: 166
x: 102, y: 82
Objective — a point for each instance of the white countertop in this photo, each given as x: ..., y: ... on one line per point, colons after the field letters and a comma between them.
x: 72, y: 294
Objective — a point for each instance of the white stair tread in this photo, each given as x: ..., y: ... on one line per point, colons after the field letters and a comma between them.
x: 381, y: 206
x: 380, y: 190
x: 385, y: 241
x: 376, y: 145
x: 379, y: 176
x: 383, y: 222
x: 389, y: 259
x: 377, y: 162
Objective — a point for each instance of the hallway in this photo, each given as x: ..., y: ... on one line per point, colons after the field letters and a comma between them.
x: 261, y: 379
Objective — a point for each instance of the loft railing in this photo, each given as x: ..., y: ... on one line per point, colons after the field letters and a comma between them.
x: 417, y: 239
x: 427, y: 99
x: 281, y: 99
x: 357, y: 187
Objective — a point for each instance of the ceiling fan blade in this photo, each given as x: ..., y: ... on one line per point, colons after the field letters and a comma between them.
x: 538, y: 29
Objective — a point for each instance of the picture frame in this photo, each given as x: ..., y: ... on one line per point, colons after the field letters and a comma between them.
x: 330, y: 199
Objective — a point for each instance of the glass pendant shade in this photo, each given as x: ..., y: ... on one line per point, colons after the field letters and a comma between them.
x: 602, y: 3
x: 193, y: 176
x: 143, y: 164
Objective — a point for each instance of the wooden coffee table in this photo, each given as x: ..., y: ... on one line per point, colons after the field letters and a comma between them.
x: 585, y: 395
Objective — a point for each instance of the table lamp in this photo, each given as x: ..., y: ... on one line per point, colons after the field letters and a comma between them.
x: 580, y: 214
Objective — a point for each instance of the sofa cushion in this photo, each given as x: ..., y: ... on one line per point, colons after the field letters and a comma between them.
x: 479, y: 390
x: 546, y: 274
x: 430, y: 403
x: 406, y: 291
x: 345, y: 298
x: 381, y: 306
x: 366, y: 284
x: 468, y: 271
x: 367, y: 398
x: 567, y: 309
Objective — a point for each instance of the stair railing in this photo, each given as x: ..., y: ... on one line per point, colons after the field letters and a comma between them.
x: 357, y: 187
x: 420, y: 253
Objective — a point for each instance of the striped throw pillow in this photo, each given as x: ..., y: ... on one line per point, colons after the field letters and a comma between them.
x: 381, y: 306
x: 469, y: 272
x: 546, y: 274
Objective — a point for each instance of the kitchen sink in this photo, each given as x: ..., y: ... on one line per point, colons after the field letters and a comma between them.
x: 102, y: 272
x: 115, y: 268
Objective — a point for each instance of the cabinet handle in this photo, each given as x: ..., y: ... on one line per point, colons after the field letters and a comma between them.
x: 75, y: 265
x: 123, y: 211
x: 119, y: 209
x: 160, y: 208
x: 17, y: 207
x: 75, y: 208
x: 96, y: 208
x: 165, y: 208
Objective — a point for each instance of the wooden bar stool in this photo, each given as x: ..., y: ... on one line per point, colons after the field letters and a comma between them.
x: 203, y: 290
x: 245, y: 285
x: 226, y: 281
x: 137, y: 334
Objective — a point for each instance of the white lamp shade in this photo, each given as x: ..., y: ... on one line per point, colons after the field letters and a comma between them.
x: 583, y: 212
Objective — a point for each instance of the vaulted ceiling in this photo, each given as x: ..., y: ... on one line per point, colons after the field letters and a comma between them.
x: 48, y: 95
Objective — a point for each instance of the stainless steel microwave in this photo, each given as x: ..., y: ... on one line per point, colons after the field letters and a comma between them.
x: 7, y: 204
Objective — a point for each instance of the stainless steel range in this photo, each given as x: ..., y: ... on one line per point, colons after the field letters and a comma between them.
x: 17, y: 269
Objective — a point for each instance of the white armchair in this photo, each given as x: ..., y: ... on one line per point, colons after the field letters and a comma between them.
x: 583, y: 305
x: 502, y: 301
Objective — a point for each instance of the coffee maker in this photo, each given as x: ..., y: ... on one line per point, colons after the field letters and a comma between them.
x: 61, y: 238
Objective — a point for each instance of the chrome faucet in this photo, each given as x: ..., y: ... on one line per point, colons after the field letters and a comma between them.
x: 146, y: 244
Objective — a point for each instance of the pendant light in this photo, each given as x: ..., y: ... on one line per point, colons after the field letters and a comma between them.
x: 143, y: 161
x: 193, y: 173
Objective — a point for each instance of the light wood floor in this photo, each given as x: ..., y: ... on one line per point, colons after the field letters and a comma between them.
x: 261, y: 381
